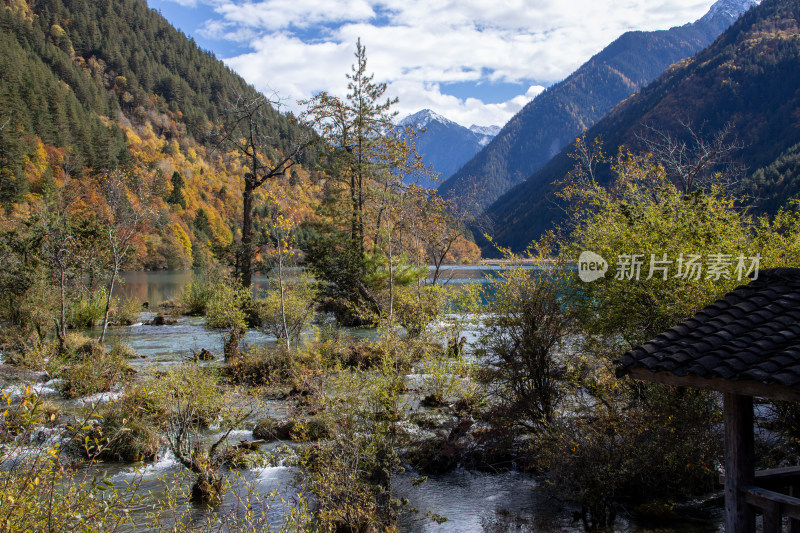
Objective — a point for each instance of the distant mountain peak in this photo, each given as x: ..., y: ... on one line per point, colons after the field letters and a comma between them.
x: 484, y: 133
x: 485, y: 130
x: 731, y: 9
x: 420, y: 119
x: 750, y: 56
x: 446, y: 145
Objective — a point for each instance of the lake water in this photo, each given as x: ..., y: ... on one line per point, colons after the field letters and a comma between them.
x: 157, y: 287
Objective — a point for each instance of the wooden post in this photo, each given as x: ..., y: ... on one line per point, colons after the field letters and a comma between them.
x: 737, y: 413
x: 794, y: 524
x: 772, y: 518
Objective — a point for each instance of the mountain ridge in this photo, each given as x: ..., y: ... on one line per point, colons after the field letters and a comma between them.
x: 557, y: 116
x: 745, y: 80
x: 444, y: 144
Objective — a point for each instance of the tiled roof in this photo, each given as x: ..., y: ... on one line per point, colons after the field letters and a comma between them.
x: 752, y: 334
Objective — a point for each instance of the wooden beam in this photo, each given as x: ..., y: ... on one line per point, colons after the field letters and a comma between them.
x: 744, y: 388
x: 737, y: 413
x: 774, y: 477
x: 764, y: 499
x: 784, y: 474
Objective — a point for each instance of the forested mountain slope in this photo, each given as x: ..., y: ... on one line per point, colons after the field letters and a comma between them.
x: 747, y: 81
x: 87, y: 86
x: 558, y: 115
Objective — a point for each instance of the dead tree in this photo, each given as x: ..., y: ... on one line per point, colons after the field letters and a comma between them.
x: 243, y: 131
x: 183, y: 436
x: 693, y: 162
x: 123, y: 216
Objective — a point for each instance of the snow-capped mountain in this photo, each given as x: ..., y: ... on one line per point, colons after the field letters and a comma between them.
x: 730, y: 9
x: 486, y: 133
x: 445, y: 145
x: 421, y: 119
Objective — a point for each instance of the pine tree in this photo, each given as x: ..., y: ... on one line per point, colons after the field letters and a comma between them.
x: 367, y: 158
x: 176, y: 196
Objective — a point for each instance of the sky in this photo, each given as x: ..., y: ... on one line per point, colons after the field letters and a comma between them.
x: 472, y: 61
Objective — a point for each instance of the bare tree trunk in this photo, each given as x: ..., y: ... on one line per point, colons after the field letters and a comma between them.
x: 391, y: 272
x: 231, y: 348
x: 283, y: 302
x: 246, y: 252
x: 438, y: 261
x: 3, y: 151
x: 108, y: 300
x: 354, y: 215
x: 61, y: 330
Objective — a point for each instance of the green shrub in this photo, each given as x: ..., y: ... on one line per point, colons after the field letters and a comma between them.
x: 94, y: 374
x: 524, y: 326
x: 312, y: 429
x: 129, y: 428
x: 270, y: 429
x: 307, y: 430
x: 37, y: 308
x: 126, y: 312
x: 179, y: 384
x: 89, y: 309
x: 298, y: 309
x: 665, y: 448
x: 417, y: 306
x: 448, y: 379
x: 195, y: 297
x: 225, y: 308
x: 18, y: 416
x: 247, y: 460
x: 198, y: 293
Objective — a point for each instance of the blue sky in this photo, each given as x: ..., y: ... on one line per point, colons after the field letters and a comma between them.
x: 473, y: 61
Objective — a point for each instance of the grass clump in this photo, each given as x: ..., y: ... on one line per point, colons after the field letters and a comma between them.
x: 89, y: 309
x: 123, y: 350
x: 77, y: 346
x: 263, y: 365
x: 124, y: 430
x: 32, y: 357
x: 126, y: 312
x: 95, y: 374
x: 129, y: 429
x: 86, y: 367
x: 19, y: 416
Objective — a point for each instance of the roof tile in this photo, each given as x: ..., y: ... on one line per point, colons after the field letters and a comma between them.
x: 752, y: 333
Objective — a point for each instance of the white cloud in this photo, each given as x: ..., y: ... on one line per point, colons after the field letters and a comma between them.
x: 299, y: 47
x: 280, y: 14
x: 415, y: 96
x: 193, y: 3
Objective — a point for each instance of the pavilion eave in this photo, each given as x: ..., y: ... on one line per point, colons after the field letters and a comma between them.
x: 745, y: 388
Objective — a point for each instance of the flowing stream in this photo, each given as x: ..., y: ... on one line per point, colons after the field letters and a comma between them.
x: 472, y: 502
